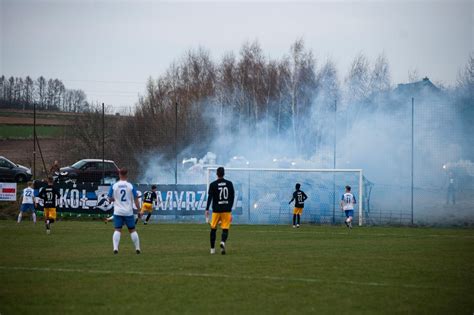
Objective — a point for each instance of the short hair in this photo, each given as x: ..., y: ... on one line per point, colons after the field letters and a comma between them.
x: 29, y: 184
x: 220, y: 172
x: 153, y: 186
x: 348, y: 188
x: 298, y: 185
x: 123, y: 172
x: 49, y: 179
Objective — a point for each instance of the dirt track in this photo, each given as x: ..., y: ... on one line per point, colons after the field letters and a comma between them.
x: 21, y: 152
x: 29, y: 121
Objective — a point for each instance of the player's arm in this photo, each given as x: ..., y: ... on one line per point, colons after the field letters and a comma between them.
x: 110, y: 195
x: 342, y: 202
x: 354, y: 199
x: 292, y: 198
x: 209, y: 200
x: 135, y: 197
x: 304, y: 196
x: 57, y: 197
x: 231, y: 195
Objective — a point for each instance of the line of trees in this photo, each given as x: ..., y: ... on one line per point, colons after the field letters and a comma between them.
x: 47, y: 94
x: 245, y: 95
x: 252, y: 93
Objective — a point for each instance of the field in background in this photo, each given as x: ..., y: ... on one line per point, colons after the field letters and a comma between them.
x: 268, y: 269
x: 16, y: 135
x: 25, y: 132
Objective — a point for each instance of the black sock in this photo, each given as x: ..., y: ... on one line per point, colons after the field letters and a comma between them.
x: 225, y: 234
x: 298, y: 219
x: 148, y: 217
x: 213, y: 237
x: 294, y: 219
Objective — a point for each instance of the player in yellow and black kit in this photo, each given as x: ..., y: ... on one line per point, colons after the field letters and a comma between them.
x: 49, y: 194
x: 149, y: 198
x: 299, y: 197
x: 221, y: 195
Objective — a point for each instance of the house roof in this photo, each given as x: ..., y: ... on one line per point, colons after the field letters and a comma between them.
x: 414, y: 88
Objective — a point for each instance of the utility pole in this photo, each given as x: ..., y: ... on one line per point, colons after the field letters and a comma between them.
x: 34, y: 140
x: 412, y: 151
x: 176, y: 145
x: 334, y: 165
x: 103, y: 143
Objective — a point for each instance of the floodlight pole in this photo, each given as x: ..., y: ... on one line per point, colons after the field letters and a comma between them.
x: 334, y: 165
x: 176, y: 145
x: 34, y: 140
x: 412, y: 151
x: 103, y: 142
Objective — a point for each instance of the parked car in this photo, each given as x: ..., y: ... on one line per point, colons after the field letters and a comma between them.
x: 90, y: 170
x: 11, y: 172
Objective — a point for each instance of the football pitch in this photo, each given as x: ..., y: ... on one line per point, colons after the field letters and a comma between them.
x: 267, y: 270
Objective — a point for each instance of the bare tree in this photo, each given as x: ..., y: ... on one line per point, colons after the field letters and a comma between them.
x: 380, y: 80
x: 41, y: 91
x: 357, y: 80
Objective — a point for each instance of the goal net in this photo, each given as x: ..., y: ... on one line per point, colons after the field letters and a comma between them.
x: 263, y: 194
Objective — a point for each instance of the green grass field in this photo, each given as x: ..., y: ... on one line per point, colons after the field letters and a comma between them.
x: 26, y: 132
x: 267, y: 270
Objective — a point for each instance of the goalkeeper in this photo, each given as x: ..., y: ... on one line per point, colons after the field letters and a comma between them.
x: 299, y: 197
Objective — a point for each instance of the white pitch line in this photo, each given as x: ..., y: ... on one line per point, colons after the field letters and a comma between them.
x: 217, y: 275
x: 165, y: 228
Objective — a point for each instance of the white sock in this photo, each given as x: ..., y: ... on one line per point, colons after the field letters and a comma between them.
x: 19, y: 217
x: 116, y: 239
x: 135, y: 239
x: 34, y: 217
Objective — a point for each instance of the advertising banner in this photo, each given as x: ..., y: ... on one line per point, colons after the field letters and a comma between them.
x: 7, y: 191
x: 177, y: 200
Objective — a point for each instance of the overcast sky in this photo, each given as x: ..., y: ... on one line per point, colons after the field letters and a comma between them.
x: 110, y: 48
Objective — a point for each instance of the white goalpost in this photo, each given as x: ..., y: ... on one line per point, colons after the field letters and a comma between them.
x: 263, y: 193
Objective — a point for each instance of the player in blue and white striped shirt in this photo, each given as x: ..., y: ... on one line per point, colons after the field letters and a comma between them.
x: 123, y: 195
x: 347, y: 205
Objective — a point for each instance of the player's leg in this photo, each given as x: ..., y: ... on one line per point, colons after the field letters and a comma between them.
x: 33, y: 215
x: 46, y: 220
x: 118, y: 223
x: 139, y: 215
x: 350, y: 214
x: 52, y: 216
x: 215, y: 218
x: 148, y: 208
x: 294, y: 217
x: 20, y: 215
x: 133, y: 233
x: 148, y: 217
x: 225, y: 226
x: 298, y: 218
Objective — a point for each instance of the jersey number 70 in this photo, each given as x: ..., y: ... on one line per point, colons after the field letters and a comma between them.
x: 223, y: 193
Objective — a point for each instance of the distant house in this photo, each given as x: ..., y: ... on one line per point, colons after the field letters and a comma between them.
x: 414, y: 89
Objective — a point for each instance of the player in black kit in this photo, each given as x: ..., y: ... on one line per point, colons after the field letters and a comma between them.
x: 299, y: 197
x: 221, y: 195
x: 49, y: 194
x: 149, y: 197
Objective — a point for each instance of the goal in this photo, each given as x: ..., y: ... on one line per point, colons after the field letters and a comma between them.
x: 263, y: 194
